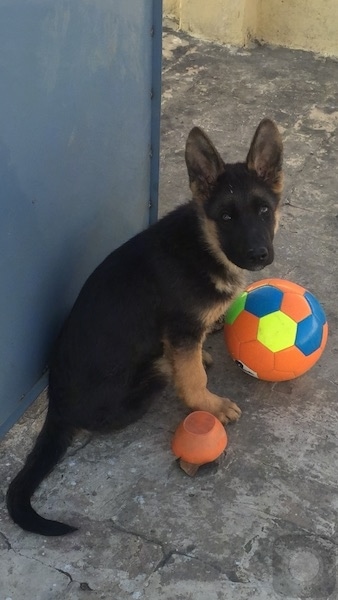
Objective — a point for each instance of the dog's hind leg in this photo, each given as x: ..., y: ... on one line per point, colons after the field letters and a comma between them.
x: 149, y: 382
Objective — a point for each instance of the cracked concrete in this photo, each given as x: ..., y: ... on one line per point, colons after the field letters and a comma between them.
x: 261, y: 524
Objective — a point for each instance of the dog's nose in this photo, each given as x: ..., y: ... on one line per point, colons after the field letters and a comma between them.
x: 256, y: 255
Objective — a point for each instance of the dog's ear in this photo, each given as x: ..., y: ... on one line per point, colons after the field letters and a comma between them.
x: 204, y: 163
x: 266, y: 155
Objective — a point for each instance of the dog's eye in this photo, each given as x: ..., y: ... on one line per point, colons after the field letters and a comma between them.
x: 263, y: 210
x: 226, y: 217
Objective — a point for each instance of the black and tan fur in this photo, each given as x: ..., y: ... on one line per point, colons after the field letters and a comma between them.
x: 143, y: 315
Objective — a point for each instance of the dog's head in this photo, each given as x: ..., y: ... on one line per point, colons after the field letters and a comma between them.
x: 238, y: 203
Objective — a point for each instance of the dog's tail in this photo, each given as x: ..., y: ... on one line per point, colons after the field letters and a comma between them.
x: 49, y: 447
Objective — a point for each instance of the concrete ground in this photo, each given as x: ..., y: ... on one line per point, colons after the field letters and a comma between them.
x: 262, y: 523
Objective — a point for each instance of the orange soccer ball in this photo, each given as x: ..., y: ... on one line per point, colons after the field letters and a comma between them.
x: 276, y: 330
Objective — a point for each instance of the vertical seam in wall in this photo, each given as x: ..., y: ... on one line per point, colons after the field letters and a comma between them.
x: 156, y: 64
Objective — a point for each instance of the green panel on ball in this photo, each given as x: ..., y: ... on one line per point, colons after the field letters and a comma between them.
x: 277, y: 331
x: 235, y: 309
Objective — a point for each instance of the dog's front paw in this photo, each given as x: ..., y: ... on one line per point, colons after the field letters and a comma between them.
x: 228, y: 411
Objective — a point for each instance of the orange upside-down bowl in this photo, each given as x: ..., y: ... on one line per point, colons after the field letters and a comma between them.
x: 199, y: 439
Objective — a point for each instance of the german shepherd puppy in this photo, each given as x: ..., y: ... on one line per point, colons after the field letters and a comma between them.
x: 142, y: 316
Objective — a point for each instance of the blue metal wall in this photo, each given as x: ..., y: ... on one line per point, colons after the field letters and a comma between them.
x: 79, y: 130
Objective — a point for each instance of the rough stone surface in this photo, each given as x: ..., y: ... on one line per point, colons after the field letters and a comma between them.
x: 262, y: 523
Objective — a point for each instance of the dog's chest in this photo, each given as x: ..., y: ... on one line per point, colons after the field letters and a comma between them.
x: 229, y: 291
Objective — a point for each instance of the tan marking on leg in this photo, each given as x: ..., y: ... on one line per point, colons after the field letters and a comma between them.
x: 190, y: 380
x: 207, y: 359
